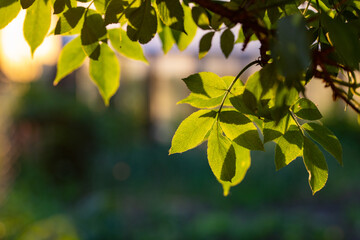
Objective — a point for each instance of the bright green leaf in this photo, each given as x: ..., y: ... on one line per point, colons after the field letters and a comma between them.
x: 105, y: 72
x: 315, y: 164
x: 207, y: 84
x: 325, y: 138
x: 71, y: 57
x: 288, y: 147
x: 200, y: 101
x: 166, y: 37
x: 240, y: 129
x: 142, y: 23
x: 69, y: 20
x: 227, y: 42
x: 37, y: 23
x: 221, y: 155
x: 306, y: 109
x: 171, y: 13
x: 100, y: 5
x: 273, y: 130
x: 192, y: 131
x: 205, y: 44
x: 9, y: 9
x: 242, y: 164
x: 183, y: 40
x: 121, y: 42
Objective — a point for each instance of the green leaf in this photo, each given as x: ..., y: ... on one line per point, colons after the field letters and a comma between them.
x: 273, y: 130
x: 166, y: 37
x: 315, y: 164
x: 171, y: 13
x: 59, y: 6
x: 26, y: 3
x: 306, y: 109
x: 200, y: 17
x: 221, y: 155
x: 242, y: 164
x: 100, y: 5
x: 183, y: 40
x: 200, y: 101
x: 207, y: 84
x: 240, y: 129
x: 345, y: 40
x: 71, y: 57
x: 105, y: 72
x: 37, y: 23
x: 9, y: 9
x: 288, y: 147
x: 227, y: 42
x: 92, y: 32
x: 69, y: 20
x: 121, y: 42
x: 192, y: 131
x: 142, y: 23
x: 114, y: 11
x: 325, y: 138
x: 205, y: 44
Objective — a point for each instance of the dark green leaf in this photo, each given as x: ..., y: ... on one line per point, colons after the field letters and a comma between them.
x: 69, y: 20
x: 59, y: 6
x: 26, y: 3
x: 192, y: 131
x: 9, y: 9
x: 205, y: 44
x: 306, y: 109
x: 200, y: 17
x: 142, y: 23
x: 326, y: 138
x: 315, y: 164
x: 227, y: 42
x: 171, y: 13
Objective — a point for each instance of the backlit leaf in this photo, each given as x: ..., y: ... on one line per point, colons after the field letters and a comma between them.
x: 192, y: 131
x: 221, y: 155
x: 227, y: 42
x: 121, y: 42
x: 240, y: 129
x: 9, y: 9
x: 171, y: 13
x: 288, y: 147
x: 69, y: 20
x: 315, y: 164
x: 200, y: 17
x: 325, y: 138
x: 205, y: 44
x: 37, y: 23
x: 207, y: 84
x: 273, y: 130
x: 105, y: 72
x: 306, y: 109
x: 200, y: 101
x: 166, y: 37
x: 142, y: 23
x: 183, y: 40
x: 71, y: 57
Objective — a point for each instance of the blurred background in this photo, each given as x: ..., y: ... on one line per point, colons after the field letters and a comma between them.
x: 71, y: 168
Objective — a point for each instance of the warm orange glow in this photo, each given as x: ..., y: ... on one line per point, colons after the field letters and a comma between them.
x: 15, y: 56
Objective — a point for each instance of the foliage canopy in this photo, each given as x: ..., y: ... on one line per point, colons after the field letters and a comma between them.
x: 299, y: 41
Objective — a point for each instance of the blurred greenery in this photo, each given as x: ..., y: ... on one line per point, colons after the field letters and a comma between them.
x: 90, y: 174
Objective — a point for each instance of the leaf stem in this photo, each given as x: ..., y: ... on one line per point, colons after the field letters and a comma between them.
x: 297, y: 122
x: 234, y: 81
